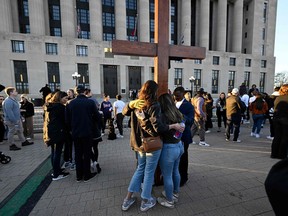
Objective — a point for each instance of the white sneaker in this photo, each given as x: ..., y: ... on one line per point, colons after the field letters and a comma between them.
x: 252, y: 134
x: 175, y: 196
x: 93, y: 167
x: 194, y: 143
x: 202, y: 143
x: 269, y: 137
x: 119, y: 136
x: 164, y: 202
x: 237, y: 141
x: 257, y: 135
x: 208, y: 131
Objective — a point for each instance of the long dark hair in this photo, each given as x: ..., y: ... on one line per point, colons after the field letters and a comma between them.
x: 259, y: 102
x: 56, y: 98
x: 148, y: 93
x: 169, y: 109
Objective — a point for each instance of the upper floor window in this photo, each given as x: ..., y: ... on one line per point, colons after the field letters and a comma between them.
x: 131, y: 4
x: 55, y: 12
x: 216, y: 60
x: 263, y: 50
x: 81, y: 50
x: 265, y: 11
x: 247, y: 62
x: 198, y: 61
x: 51, y: 49
x: 263, y: 63
x: 26, y: 8
x: 232, y: 61
x: 108, y: 19
x: 56, y: 32
x: 18, y: 46
x: 178, y: 76
x: 108, y: 2
x: 263, y: 33
x: 83, y: 16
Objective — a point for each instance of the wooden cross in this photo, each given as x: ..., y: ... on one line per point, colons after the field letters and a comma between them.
x: 161, y: 50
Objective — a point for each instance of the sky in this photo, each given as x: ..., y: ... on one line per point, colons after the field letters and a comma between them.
x: 281, y: 40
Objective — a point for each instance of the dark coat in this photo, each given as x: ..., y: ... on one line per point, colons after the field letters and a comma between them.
x: 54, y: 128
x: 187, y: 111
x: 152, y: 124
x: 29, y: 107
x: 81, y: 114
x: 281, y: 107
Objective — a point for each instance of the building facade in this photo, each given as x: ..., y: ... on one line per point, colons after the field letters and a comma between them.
x: 47, y: 41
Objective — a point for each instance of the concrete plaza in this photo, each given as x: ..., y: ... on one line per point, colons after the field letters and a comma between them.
x: 224, y: 179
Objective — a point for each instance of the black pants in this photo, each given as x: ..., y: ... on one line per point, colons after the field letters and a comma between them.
x: 94, y: 150
x: 221, y: 116
x: 119, y: 121
x: 271, y: 126
x: 233, y: 122
x: 280, y: 141
x: 56, y: 150
x: 68, y: 149
x: 183, y: 165
x: 83, y: 147
x: 2, y: 131
x: 105, y: 119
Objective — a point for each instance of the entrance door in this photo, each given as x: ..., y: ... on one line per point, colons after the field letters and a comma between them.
x: 134, y: 78
x: 110, y: 80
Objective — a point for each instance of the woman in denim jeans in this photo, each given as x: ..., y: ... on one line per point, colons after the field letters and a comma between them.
x: 171, y: 152
x: 149, y: 120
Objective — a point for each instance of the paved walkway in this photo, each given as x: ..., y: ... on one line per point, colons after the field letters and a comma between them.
x: 224, y: 179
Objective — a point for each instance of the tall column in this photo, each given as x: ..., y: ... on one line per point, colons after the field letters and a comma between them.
x: 96, y: 29
x: 204, y: 23
x: 6, y: 17
x: 14, y: 14
x: 270, y: 28
x: 221, y: 25
x: 237, y: 26
x: 185, y: 32
x: 36, y: 17
x: 68, y: 18
x: 120, y: 20
x: 144, y: 21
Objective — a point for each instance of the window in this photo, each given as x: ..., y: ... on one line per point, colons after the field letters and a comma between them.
x: 18, y: 46
x: 231, y: 80
x: 263, y: 33
x: 21, y: 77
x: 246, y: 21
x: 197, y: 82
x: 131, y: 4
x: 54, y: 18
x: 215, y: 78
x: 232, y: 61
x: 262, y: 82
x: 83, y: 16
x: 174, y: 19
x: 81, y: 50
x: 84, y: 75
x: 56, y: 32
x: 108, y: 19
x: 247, y: 62
x: 265, y: 12
x: 56, y: 12
x: 245, y: 35
x: 152, y: 20
x: 53, y: 75
x: 178, y: 76
x: 51, y: 49
x: 108, y: 36
x: 216, y: 60
x: 108, y: 3
x: 26, y: 8
x: 263, y: 63
x: 263, y: 50
x: 247, y: 78
x: 245, y: 50
x: 197, y: 61
x: 23, y: 15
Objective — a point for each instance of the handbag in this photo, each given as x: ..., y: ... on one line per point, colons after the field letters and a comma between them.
x: 151, y: 144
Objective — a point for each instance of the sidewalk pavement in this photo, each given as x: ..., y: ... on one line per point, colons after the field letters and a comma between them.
x: 226, y: 178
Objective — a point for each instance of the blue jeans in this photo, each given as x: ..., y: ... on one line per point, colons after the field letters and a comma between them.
x: 56, y: 150
x: 257, y: 121
x: 147, y: 163
x: 169, y: 164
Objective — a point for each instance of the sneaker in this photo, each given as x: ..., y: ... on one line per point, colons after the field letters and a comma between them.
x: 145, y: 206
x: 93, y: 167
x: 252, y: 134
x: 175, y: 196
x: 61, y: 176
x: 203, y: 143
x: 127, y: 203
x: 227, y: 140
x: 237, y: 141
x: 246, y: 122
x: 269, y: 137
x: 66, y: 165
x: 119, y: 136
x: 90, y: 177
x: 194, y: 143
x: 62, y: 171
x: 208, y: 131
x: 257, y: 135
x: 164, y: 202
x: 98, y: 168
x: 72, y: 166
x: 13, y: 147
x: 26, y: 142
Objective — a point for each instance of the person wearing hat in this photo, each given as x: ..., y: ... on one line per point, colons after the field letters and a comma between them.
x: 27, y: 113
x: 81, y: 114
x: 12, y: 119
x: 234, y: 107
x: 200, y: 117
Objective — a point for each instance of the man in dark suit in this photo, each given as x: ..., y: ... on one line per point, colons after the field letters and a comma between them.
x: 187, y: 110
x: 80, y: 114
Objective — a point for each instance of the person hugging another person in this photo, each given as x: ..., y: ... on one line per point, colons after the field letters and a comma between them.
x: 145, y: 122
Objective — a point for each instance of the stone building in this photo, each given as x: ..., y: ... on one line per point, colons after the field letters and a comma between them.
x: 47, y: 41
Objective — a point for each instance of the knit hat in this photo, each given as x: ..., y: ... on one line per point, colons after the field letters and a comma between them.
x: 235, y: 91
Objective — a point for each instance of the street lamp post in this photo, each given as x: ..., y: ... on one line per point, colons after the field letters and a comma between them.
x: 76, y: 76
x: 191, y: 79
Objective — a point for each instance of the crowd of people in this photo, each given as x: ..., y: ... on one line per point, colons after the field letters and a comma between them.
x: 76, y: 122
